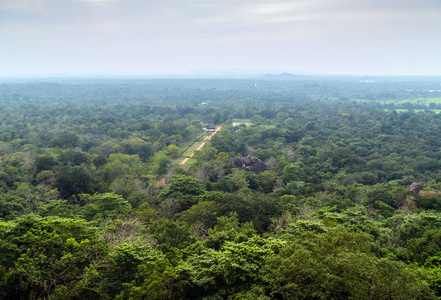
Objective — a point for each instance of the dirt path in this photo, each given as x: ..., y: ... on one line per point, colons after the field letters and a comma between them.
x: 207, y: 138
x: 162, y: 182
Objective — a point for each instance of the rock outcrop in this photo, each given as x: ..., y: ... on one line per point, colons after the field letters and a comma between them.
x: 415, y: 187
x: 250, y: 164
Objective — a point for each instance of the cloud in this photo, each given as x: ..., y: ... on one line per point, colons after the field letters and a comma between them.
x: 131, y: 33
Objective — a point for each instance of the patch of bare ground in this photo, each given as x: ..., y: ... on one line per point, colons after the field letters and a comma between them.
x: 251, y: 149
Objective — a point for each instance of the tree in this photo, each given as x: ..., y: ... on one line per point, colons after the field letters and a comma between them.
x: 73, y: 157
x: 206, y: 153
x: 171, y: 150
x: 65, y: 140
x: 48, y: 258
x: 73, y: 181
x: 338, y: 264
x: 145, y: 151
x: 181, y: 185
x: 293, y: 172
x: 102, y: 206
x: 204, y: 212
x: 171, y: 234
x: 380, y: 194
x: 44, y: 162
x: 11, y: 204
x: 257, y: 120
x: 156, y: 282
x: 99, y: 160
x: 125, y: 261
x: 230, y: 269
x: 162, y: 164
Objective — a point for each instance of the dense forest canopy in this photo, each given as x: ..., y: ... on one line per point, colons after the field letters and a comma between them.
x: 99, y: 201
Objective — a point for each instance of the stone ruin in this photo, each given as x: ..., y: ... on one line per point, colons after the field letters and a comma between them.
x: 250, y: 164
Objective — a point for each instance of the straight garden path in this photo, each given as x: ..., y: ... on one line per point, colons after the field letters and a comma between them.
x: 207, y: 138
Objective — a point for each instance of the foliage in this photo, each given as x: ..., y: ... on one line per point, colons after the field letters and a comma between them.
x: 102, y: 206
x: 94, y: 205
x: 43, y: 256
x: 181, y: 185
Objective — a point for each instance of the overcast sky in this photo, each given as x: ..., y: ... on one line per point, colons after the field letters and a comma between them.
x: 375, y: 37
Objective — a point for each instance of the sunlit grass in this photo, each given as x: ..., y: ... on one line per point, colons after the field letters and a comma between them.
x: 191, y: 161
x: 192, y: 148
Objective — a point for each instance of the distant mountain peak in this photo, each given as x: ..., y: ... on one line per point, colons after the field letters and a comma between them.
x: 282, y: 76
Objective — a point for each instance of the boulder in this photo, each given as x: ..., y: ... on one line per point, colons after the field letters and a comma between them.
x: 247, y: 161
x: 415, y: 187
x: 236, y: 161
x: 250, y: 164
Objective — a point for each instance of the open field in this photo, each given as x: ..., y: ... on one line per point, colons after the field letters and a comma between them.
x: 400, y: 110
x: 242, y: 120
x: 237, y: 122
x: 419, y: 101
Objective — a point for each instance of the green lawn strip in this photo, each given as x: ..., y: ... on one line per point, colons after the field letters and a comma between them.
x: 200, y: 136
x: 241, y: 121
x: 186, y: 145
x: 191, y: 161
x: 192, y: 148
x: 179, y: 160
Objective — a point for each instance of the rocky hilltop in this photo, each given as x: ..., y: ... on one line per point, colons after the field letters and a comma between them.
x: 250, y: 164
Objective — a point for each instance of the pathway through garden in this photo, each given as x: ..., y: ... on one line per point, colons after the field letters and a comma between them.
x: 218, y: 127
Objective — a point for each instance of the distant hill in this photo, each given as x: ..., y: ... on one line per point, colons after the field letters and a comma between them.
x: 283, y: 76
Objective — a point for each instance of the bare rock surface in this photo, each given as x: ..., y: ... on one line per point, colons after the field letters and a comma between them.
x: 415, y: 187
x: 250, y: 164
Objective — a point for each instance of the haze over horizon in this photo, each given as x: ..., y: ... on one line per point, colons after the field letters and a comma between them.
x: 135, y: 37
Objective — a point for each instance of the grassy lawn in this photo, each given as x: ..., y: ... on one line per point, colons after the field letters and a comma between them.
x: 179, y: 160
x: 241, y: 121
x: 237, y: 122
x: 184, y: 146
x: 192, y: 148
x: 191, y: 161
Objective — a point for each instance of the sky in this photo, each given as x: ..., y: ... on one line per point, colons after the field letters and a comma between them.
x: 135, y: 37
